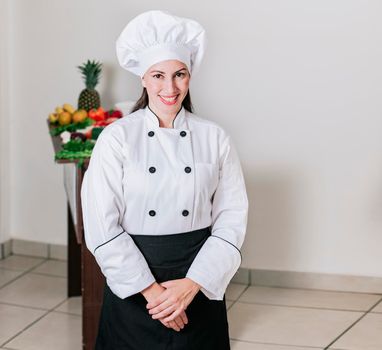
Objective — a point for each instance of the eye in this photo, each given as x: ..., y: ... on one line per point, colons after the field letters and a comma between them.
x: 180, y: 74
x: 157, y: 76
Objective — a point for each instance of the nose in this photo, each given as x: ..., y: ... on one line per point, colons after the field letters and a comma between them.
x: 170, y: 86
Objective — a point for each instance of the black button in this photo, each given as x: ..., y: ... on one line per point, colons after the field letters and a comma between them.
x: 185, y: 212
x: 183, y: 133
x: 187, y: 169
x: 152, y: 169
x: 151, y: 133
x: 152, y: 212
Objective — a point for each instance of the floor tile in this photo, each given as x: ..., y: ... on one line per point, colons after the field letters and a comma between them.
x: 8, y: 275
x: 52, y: 267
x: 238, y: 345
x: 234, y: 290
x: 14, y: 319
x: 365, y: 335
x: 309, y: 298
x: 287, y: 325
x: 72, y: 306
x: 378, y: 308
x: 18, y: 262
x: 56, y: 331
x: 228, y: 303
x: 35, y: 290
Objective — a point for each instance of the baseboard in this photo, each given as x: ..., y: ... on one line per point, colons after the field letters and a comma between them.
x: 269, y: 278
x: 5, y: 249
x: 309, y: 280
x: 35, y: 249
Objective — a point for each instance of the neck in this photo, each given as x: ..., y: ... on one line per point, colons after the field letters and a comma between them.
x: 165, y: 121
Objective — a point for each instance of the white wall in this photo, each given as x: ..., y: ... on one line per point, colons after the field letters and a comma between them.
x: 297, y: 84
x: 4, y: 119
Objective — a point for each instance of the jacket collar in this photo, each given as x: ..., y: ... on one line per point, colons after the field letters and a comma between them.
x: 179, y: 122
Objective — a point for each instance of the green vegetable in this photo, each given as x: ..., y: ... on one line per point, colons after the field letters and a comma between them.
x: 71, y: 127
x: 78, y: 145
x: 76, y: 150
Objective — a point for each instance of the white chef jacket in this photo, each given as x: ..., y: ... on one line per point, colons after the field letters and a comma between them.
x: 144, y: 179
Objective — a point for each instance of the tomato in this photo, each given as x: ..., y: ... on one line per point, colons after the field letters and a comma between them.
x: 88, y: 134
x: 92, y: 114
x: 117, y: 114
x: 101, y: 113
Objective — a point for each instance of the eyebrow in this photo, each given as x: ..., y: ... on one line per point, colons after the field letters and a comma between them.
x: 153, y: 71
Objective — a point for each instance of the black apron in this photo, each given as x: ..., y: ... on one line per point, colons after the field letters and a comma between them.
x: 125, y: 324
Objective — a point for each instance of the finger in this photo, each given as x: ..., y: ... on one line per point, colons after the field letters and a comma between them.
x: 168, y: 284
x: 179, y: 322
x: 174, y: 326
x: 158, y: 300
x: 164, y: 313
x: 172, y: 317
x: 184, y: 317
x: 165, y: 324
x: 160, y: 307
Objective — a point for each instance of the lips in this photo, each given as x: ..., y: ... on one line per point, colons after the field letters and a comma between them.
x: 169, y: 100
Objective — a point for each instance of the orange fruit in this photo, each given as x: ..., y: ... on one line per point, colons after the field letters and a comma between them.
x: 64, y: 118
x: 79, y: 116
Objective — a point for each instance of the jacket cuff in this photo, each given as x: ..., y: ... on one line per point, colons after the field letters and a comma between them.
x: 133, y: 286
x: 208, y: 289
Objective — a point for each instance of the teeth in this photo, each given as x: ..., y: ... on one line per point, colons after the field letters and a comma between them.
x: 169, y: 99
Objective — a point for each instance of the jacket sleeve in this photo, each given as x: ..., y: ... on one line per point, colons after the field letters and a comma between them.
x: 220, y: 257
x: 120, y: 260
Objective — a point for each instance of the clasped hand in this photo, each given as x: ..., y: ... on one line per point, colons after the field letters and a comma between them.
x: 170, y: 305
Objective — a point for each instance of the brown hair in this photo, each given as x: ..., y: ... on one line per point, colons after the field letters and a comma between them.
x: 144, y: 101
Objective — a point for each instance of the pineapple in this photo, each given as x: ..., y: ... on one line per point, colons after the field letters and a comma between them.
x: 89, y: 97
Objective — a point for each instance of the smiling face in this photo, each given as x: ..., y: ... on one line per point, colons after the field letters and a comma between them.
x: 167, y: 85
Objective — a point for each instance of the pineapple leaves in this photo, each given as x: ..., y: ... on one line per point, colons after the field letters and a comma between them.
x: 91, y: 71
x: 89, y: 98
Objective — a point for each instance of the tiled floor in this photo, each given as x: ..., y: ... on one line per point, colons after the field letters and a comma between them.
x: 35, y: 313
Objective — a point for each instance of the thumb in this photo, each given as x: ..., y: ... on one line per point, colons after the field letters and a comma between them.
x: 166, y: 284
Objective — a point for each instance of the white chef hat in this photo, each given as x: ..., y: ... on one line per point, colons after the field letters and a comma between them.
x: 156, y: 36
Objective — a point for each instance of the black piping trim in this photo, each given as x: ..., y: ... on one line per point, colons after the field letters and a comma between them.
x: 108, y: 241
x: 241, y: 258
x: 158, y: 117
x: 176, y: 116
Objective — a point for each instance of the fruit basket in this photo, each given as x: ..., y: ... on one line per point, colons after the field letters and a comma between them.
x: 75, y: 131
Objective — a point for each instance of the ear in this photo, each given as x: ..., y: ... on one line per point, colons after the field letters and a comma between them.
x: 143, y: 81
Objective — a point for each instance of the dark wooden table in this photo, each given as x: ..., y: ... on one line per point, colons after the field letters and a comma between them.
x: 84, y: 276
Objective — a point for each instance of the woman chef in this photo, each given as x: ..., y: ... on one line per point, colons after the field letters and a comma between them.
x: 164, y: 201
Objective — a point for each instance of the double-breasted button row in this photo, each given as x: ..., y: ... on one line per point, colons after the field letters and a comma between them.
x: 152, y: 169
x: 182, y: 133
x: 184, y: 212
